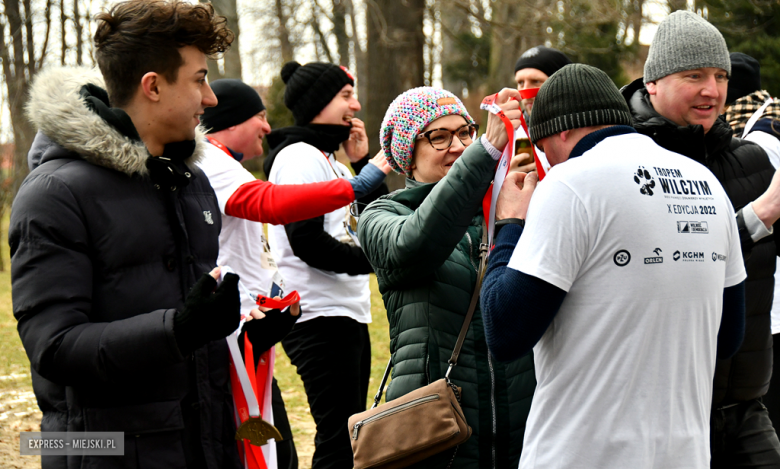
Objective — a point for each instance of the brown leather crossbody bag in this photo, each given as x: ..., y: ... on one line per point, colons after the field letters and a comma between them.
x: 421, y: 423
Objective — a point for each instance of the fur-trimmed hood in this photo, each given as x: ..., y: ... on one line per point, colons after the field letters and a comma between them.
x: 58, y: 111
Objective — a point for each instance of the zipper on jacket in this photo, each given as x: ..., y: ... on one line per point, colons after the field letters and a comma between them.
x: 493, y: 407
x: 394, y: 410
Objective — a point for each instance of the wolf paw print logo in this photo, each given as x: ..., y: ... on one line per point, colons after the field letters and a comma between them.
x: 645, y: 181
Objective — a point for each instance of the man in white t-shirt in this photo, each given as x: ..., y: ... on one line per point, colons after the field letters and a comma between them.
x: 617, y: 282
x: 532, y: 69
x: 330, y: 344
x: 236, y: 128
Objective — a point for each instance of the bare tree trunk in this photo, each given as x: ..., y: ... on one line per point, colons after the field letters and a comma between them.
x: 395, y: 54
x: 232, y: 58
x: 506, y: 44
x: 340, y: 30
x: 17, y: 81
x: 323, y: 41
x: 284, y: 33
x: 79, y: 32
x: 636, y: 18
x: 360, y: 56
x: 44, y: 49
x: 63, y: 24
x: 675, y: 5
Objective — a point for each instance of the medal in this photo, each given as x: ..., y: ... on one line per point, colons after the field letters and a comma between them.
x: 253, y: 427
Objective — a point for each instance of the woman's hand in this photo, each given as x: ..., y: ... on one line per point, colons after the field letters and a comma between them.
x: 496, y: 131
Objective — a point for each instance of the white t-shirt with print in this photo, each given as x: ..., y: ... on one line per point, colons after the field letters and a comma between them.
x: 625, y: 369
x: 242, y: 243
x: 323, y: 293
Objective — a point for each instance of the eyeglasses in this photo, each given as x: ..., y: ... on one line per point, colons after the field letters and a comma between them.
x: 441, y: 139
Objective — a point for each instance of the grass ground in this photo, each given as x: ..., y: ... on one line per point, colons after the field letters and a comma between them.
x: 19, y: 411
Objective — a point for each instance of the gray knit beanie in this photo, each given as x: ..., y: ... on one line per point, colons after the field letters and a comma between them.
x: 685, y: 41
x: 576, y: 96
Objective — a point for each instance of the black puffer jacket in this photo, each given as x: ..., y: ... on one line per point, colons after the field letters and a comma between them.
x: 745, y: 173
x: 101, y: 261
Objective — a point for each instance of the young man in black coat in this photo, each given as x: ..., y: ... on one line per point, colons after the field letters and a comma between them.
x: 110, y: 236
x: 678, y: 103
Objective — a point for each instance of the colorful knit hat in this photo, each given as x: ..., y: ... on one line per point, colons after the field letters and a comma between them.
x: 407, y: 115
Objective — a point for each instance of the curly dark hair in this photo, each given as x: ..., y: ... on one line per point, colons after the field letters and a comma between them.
x: 140, y: 36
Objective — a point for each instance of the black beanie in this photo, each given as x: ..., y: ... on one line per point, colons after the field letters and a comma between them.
x: 745, y: 76
x: 546, y: 59
x: 576, y: 96
x: 311, y: 87
x: 237, y: 103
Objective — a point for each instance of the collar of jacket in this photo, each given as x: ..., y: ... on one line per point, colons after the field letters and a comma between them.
x: 594, y: 138
x: 413, y: 194
x: 689, y: 140
x: 58, y: 110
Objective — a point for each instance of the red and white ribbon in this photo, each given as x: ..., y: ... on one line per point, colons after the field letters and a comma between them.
x: 489, y: 202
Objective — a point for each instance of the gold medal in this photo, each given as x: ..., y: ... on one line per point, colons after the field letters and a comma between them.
x: 257, y: 431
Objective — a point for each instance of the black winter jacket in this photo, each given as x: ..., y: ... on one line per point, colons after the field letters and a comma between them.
x: 745, y: 172
x: 101, y: 261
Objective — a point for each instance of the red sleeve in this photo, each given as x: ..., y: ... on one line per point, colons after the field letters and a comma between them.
x: 281, y: 204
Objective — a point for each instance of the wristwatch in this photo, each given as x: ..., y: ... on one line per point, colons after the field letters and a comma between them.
x: 508, y: 221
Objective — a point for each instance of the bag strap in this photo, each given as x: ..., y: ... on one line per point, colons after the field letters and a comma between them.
x: 378, y: 396
x: 483, y: 249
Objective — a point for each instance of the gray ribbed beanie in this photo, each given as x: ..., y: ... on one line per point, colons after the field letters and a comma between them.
x: 576, y: 96
x: 685, y: 41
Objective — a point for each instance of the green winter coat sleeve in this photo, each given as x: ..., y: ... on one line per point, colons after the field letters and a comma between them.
x: 405, y: 245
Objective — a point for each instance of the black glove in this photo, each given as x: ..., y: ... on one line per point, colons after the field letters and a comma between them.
x: 207, y: 316
x: 265, y: 332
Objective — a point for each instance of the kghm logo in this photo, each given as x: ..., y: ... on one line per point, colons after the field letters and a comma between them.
x: 645, y: 180
x: 657, y: 259
x: 621, y: 258
x: 676, y: 255
x: 692, y: 255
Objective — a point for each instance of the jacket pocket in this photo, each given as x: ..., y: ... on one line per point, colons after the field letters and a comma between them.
x: 153, y: 436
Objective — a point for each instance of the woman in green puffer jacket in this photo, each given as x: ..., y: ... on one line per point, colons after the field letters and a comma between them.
x: 423, y: 242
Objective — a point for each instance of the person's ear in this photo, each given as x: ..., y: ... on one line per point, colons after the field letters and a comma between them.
x: 652, y: 88
x: 564, y: 135
x: 150, y: 86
